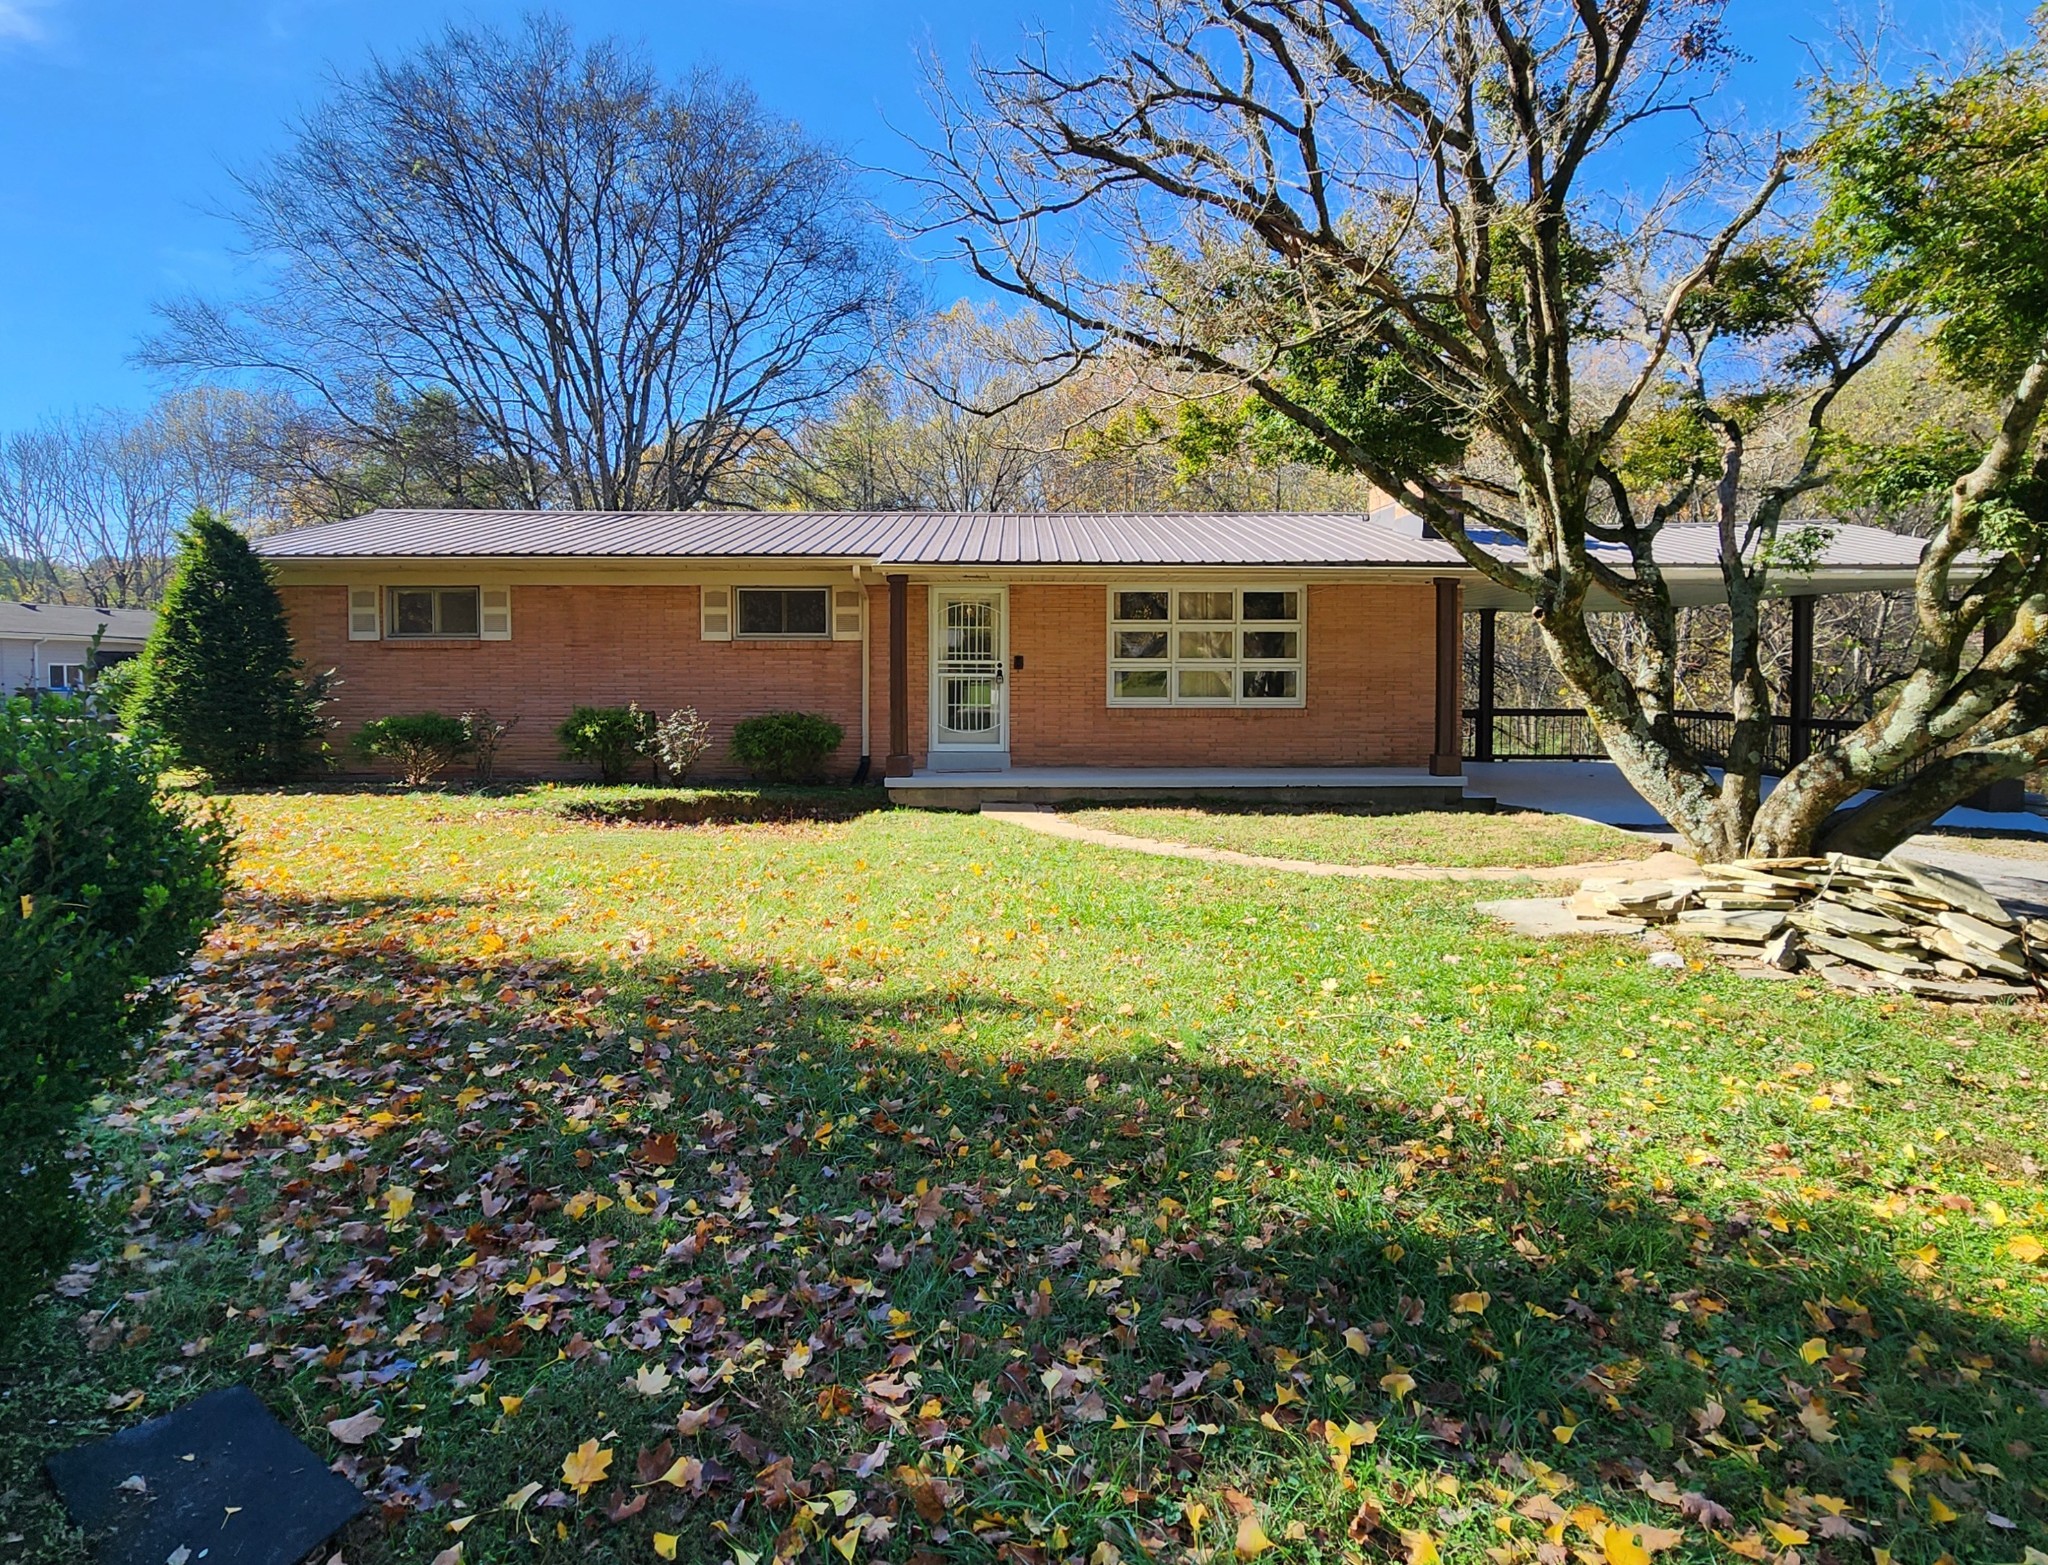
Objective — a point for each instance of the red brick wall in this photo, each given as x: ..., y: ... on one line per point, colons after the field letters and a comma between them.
x: 1369, y: 681
x: 1370, y: 689
x: 580, y: 646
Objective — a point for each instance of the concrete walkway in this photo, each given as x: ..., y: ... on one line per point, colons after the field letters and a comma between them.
x: 1040, y: 818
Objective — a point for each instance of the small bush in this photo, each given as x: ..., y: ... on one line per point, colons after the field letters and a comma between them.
x: 486, y: 734
x: 113, y: 688
x: 786, y: 747
x: 610, y: 738
x: 421, y: 746
x: 107, y: 885
x: 680, y: 742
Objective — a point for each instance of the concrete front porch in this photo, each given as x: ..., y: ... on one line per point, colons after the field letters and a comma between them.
x: 1390, y: 788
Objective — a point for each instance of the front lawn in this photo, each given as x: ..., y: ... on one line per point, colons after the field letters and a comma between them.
x: 917, y: 1187
x: 1459, y: 839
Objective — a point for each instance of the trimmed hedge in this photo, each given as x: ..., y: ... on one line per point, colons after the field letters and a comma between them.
x: 422, y: 746
x: 786, y: 747
x: 107, y: 884
x: 611, y: 738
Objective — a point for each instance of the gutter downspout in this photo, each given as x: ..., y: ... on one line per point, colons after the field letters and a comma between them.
x: 867, y: 688
x: 34, y: 666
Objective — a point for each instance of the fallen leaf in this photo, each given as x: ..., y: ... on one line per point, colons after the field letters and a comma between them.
x: 665, y: 1545
x: 2025, y: 1247
x: 1251, y: 1538
x: 1470, y: 1303
x: 355, y: 1430
x: 586, y: 1466
x: 650, y: 1380
x: 1421, y: 1545
x: 516, y: 1500
x: 1621, y: 1548
x: 1941, y: 1515
x: 398, y: 1204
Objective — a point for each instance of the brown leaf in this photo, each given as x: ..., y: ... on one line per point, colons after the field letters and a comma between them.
x: 1365, y: 1521
x: 659, y: 1150
x: 355, y: 1430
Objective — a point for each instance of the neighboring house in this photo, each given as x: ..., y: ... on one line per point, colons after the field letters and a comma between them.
x: 945, y: 644
x: 49, y: 646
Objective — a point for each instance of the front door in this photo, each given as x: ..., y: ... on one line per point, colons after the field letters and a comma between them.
x: 970, y: 706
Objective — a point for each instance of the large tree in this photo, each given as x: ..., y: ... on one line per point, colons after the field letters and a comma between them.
x: 621, y: 280
x: 1403, y: 229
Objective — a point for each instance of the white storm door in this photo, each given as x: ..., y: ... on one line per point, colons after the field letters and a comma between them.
x: 970, y: 692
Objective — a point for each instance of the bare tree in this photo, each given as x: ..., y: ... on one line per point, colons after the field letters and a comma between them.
x: 623, y: 281
x: 1395, y: 226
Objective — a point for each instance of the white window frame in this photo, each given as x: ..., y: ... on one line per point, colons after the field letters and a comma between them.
x: 1237, y: 665
x: 809, y: 635
x: 52, y: 670
x: 390, y: 608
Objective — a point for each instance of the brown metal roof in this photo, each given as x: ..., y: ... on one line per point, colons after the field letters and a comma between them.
x: 1387, y: 537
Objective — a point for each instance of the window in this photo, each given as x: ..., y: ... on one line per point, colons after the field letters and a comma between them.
x: 67, y: 676
x: 1207, y: 646
x: 785, y: 613
x: 445, y: 612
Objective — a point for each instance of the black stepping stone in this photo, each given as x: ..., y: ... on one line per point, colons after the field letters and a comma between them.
x: 221, y: 1479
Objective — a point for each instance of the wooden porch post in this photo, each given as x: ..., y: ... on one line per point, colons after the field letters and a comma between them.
x: 899, y: 763
x: 1448, y: 757
x: 1482, y: 748
x: 1802, y: 678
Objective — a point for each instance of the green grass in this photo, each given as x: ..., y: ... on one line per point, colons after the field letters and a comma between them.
x: 1025, y: 1198
x: 1463, y: 840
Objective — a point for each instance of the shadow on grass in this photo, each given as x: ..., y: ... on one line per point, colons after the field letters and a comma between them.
x: 1126, y: 1273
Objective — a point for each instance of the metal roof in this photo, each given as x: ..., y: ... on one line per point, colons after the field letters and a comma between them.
x: 1389, y: 536
x: 72, y: 622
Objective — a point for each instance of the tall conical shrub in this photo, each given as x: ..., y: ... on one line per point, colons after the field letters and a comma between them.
x: 218, y: 680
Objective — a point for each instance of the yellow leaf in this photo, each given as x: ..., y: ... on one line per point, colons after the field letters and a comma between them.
x: 1562, y: 1433
x: 491, y: 944
x: 1398, y: 1384
x: 1814, y: 1349
x: 586, y: 1466
x: 397, y: 1204
x: 1620, y: 1546
x: 1470, y: 1303
x: 1356, y: 1341
x: 511, y: 1405
x: 847, y: 1542
x: 665, y: 1545
x: 1421, y: 1546
x: 682, y: 1472
x: 1789, y: 1537
x: 795, y: 1361
x: 650, y: 1380
x: 1251, y: 1537
x: 516, y: 1500
x: 1938, y: 1513
x: 2025, y: 1247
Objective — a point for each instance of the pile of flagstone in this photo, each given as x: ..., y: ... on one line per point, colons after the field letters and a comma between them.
x: 1859, y: 923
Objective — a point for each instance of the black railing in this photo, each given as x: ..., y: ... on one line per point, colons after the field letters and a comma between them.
x: 1565, y: 733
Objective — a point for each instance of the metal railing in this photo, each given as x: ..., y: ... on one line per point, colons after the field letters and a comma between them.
x: 1565, y: 733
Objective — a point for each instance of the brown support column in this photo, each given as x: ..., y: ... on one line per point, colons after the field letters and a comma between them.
x: 899, y: 763
x: 1802, y: 678
x: 1482, y: 747
x: 1448, y: 758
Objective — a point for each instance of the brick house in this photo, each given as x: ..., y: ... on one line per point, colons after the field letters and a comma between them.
x: 954, y: 649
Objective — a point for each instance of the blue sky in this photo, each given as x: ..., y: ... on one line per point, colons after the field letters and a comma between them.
x: 120, y: 118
